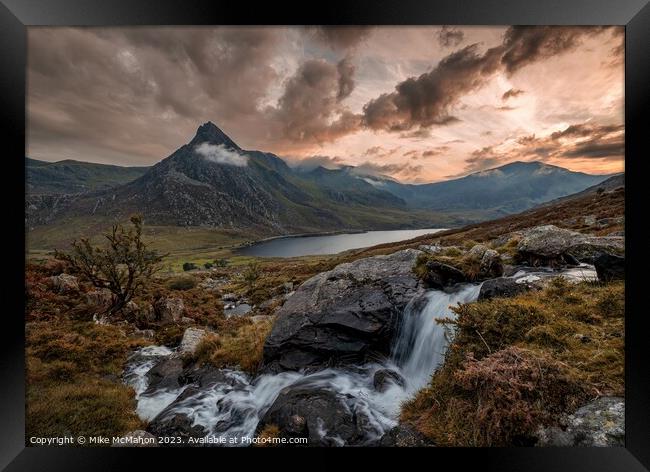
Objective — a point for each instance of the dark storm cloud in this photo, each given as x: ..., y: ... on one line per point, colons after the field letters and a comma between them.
x: 345, y: 69
x: 309, y: 109
x: 511, y: 93
x: 450, y: 37
x: 582, y: 140
x: 524, y: 45
x: 119, y: 88
x: 427, y: 100
x: 340, y: 37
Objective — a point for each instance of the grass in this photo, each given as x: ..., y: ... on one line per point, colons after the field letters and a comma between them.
x: 240, y: 349
x: 517, y: 363
x: 73, y: 380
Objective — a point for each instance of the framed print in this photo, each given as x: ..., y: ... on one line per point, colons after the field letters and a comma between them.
x: 405, y: 226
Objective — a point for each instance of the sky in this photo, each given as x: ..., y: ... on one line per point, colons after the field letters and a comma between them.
x: 420, y: 104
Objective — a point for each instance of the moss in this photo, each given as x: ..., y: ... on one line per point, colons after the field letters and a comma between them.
x: 482, y: 394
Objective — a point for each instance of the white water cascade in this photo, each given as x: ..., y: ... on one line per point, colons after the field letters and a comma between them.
x: 233, y: 408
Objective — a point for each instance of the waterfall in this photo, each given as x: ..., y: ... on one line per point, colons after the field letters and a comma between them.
x: 421, y: 342
x: 233, y: 409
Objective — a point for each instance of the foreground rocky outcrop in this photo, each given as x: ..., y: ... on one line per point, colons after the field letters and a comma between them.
x: 344, y: 316
x: 503, y: 287
x: 320, y: 415
x: 404, y: 436
x: 550, y: 245
x: 610, y: 267
x: 600, y: 423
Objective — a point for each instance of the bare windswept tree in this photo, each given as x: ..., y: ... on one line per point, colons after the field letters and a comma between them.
x: 122, y: 266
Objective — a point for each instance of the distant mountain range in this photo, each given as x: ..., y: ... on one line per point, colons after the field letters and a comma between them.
x: 211, y: 181
x: 75, y: 177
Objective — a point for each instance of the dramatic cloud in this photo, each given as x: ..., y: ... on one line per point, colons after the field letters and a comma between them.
x: 524, y: 45
x: 133, y: 95
x: 426, y: 100
x: 345, y: 69
x: 511, y: 93
x: 585, y: 141
x: 450, y: 37
x: 220, y: 154
x: 310, y: 109
x: 340, y: 37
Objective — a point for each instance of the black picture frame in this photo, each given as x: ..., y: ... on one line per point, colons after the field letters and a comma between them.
x: 16, y: 15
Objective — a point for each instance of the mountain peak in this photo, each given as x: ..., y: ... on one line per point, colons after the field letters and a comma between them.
x: 210, y: 133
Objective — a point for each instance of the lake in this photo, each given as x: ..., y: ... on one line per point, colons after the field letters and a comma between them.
x: 294, y: 246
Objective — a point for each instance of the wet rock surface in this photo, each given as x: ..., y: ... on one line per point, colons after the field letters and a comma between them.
x: 343, y: 316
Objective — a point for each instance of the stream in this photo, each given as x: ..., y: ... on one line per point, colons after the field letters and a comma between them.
x: 232, y: 407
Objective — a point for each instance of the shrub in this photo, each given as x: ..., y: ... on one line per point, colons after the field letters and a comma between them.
x: 520, y: 362
x: 499, y: 400
x: 122, y: 267
x: 221, y: 262
x: 181, y: 283
x: 208, y: 265
x: 189, y: 266
x: 251, y: 275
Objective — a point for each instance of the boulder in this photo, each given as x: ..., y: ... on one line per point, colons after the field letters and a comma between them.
x: 610, y: 267
x: 175, y: 425
x: 191, y: 340
x: 64, y: 283
x: 491, y: 265
x: 600, y: 423
x: 320, y: 415
x: 440, y: 275
x: 137, y: 438
x: 344, y: 316
x: 384, y: 378
x: 430, y: 248
x: 165, y: 374
x: 404, y: 436
x: 476, y: 252
x: 101, y: 299
x: 502, y: 287
x: 169, y: 310
x: 548, y: 244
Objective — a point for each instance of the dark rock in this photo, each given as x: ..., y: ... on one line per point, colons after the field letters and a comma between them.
x: 501, y: 287
x: 600, y: 423
x: 439, y: 275
x: 175, y: 425
x: 344, y: 316
x: 165, y: 374
x: 320, y: 415
x: 491, y: 265
x: 610, y: 267
x: 404, y: 436
x: 384, y: 377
